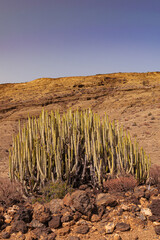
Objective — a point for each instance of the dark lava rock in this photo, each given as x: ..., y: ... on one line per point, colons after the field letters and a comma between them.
x: 106, y: 199
x: 138, y: 192
x: 55, y: 222
x: 55, y: 205
x: 39, y: 231
x: 24, y: 215
x: 122, y: 227
x: 19, y: 226
x: 67, y: 217
x: 81, y: 202
x: 41, y: 213
x: 35, y: 224
x: 82, y: 229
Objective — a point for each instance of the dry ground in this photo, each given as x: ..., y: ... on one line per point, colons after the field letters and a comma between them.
x: 131, y: 98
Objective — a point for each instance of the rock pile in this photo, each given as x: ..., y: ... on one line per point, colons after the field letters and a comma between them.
x: 84, y: 214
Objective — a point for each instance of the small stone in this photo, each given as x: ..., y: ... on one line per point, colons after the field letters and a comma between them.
x: 110, y: 227
x: 35, y: 224
x: 82, y: 229
x: 117, y: 237
x: 146, y: 211
x: 5, y: 235
x: 122, y: 227
x: 55, y: 222
x: 125, y: 207
x: 68, y: 224
x: 63, y: 231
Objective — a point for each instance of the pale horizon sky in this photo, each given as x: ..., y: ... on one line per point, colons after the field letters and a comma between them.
x: 61, y: 38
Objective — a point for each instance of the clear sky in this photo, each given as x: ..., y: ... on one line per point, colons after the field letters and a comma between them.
x: 58, y: 38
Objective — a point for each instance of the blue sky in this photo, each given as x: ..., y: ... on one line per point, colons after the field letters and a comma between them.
x: 58, y: 38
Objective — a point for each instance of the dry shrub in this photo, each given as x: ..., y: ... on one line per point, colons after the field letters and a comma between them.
x: 120, y: 184
x: 10, y: 192
x: 154, y: 175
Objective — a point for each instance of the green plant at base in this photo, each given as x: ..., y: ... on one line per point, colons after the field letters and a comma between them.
x: 76, y: 147
x: 52, y: 191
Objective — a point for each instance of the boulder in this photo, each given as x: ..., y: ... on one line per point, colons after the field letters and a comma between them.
x: 41, y: 213
x: 106, y: 199
x: 19, y: 226
x: 55, y: 205
x: 122, y: 227
x: 81, y: 202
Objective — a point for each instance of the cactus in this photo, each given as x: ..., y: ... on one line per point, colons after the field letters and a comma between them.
x: 74, y: 147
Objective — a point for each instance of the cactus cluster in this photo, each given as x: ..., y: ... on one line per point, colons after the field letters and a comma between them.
x: 74, y: 147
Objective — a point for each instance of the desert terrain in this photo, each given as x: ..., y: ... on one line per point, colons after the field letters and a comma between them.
x: 131, y: 98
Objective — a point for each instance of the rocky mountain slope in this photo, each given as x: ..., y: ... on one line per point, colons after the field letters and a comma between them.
x: 131, y: 98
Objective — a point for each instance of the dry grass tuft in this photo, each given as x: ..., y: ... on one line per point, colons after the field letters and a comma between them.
x: 154, y: 175
x: 120, y: 184
x: 10, y: 192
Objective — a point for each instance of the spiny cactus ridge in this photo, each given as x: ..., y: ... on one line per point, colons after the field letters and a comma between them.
x: 75, y: 147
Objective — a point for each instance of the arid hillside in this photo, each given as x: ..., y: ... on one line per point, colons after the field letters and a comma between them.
x: 131, y: 98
